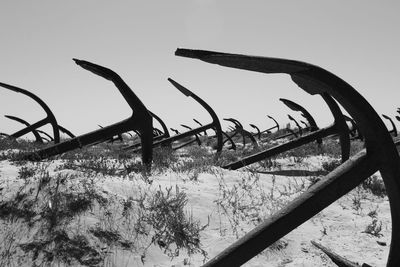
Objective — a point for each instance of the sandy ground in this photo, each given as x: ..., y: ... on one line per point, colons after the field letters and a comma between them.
x: 339, y: 227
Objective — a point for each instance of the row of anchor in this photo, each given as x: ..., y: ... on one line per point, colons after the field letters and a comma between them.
x: 380, y: 153
x: 343, y: 126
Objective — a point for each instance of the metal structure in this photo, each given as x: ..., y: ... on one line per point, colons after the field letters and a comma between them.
x: 338, y: 127
x: 238, y: 129
x: 35, y: 132
x: 199, y: 123
x: 258, y: 133
x: 214, y: 125
x: 394, y: 129
x: 300, y: 132
x: 312, y: 125
x: 50, y: 118
x: 354, y: 131
x: 380, y: 154
x: 140, y: 121
x: 273, y: 127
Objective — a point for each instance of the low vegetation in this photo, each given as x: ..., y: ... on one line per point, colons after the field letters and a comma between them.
x: 69, y: 211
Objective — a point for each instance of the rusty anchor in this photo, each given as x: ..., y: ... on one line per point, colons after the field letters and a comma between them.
x: 175, y: 130
x: 239, y: 129
x: 273, y: 127
x: 157, y: 134
x: 140, y: 121
x: 50, y: 118
x: 199, y: 123
x: 312, y: 125
x: 48, y: 137
x: 258, y: 133
x: 306, y: 126
x: 354, y: 131
x: 35, y: 132
x: 339, y: 127
x: 197, y: 139
x: 300, y: 131
x: 380, y: 154
x: 214, y: 125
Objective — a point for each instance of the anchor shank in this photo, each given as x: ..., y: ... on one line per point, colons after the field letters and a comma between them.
x: 282, y: 148
x: 323, y: 193
x: 82, y: 140
x: 30, y: 128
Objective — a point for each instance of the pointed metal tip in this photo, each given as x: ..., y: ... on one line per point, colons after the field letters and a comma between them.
x: 193, y: 53
x: 180, y: 87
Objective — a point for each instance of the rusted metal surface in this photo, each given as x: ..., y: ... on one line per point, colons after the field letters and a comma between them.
x: 140, y: 121
x: 50, y: 118
x: 380, y: 155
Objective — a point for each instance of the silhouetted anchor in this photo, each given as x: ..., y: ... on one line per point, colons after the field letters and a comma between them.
x: 140, y: 121
x: 380, y: 155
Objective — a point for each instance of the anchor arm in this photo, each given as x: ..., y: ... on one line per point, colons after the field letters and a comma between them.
x: 296, y: 107
x: 380, y: 154
x: 394, y: 129
x: 199, y: 123
x: 50, y: 116
x: 24, y: 122
x: 297, y: 124
x: 258, y: 131
x: 215, y: 124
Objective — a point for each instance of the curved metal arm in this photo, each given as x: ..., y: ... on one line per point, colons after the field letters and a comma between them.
x: 165, y: 134
x: 306, y: 126
x: 67, y: 132
x: 140, y: 120
x: 199, y: 123
x: 296, y: 107
x: 215, y: 124
x: 24, y: 122
x: 276, y: 125
x: 394, y: 129
x: 339, y: 125
x: 50, y: 118
x: 197, y: 139
x: 380, y: 154
x: 258, y: 131
x: 239, y: 128
x: 297, y: 124
x: 174, y: 130
x: 46, y: 134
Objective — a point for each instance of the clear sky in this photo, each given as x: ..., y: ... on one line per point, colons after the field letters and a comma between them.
x: 357, y: 40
